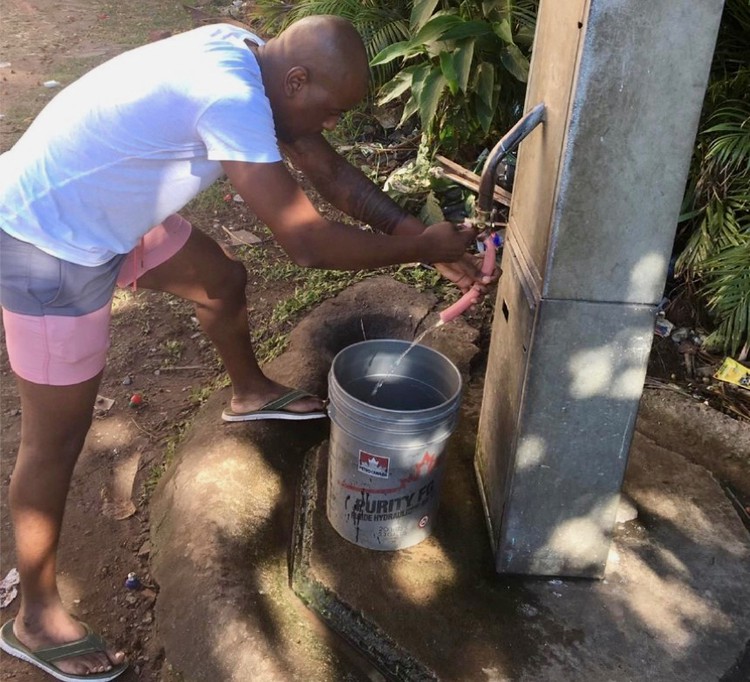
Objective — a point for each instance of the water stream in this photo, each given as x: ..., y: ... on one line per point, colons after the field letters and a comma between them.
x: 400, y: 358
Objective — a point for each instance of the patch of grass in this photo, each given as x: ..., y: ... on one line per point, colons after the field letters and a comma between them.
x: 211, y: 200
x: 318, y: 286
x: 422, y: 278
x: 263, y: 267
x: 270, y: 348
x: 173, y: 348
x: 157, y: 470
x: 198, y: 396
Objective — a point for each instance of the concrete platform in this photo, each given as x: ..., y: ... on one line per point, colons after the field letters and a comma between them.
x: 240, y: 538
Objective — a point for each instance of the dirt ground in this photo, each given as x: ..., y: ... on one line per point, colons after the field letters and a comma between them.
x: 157, y: 349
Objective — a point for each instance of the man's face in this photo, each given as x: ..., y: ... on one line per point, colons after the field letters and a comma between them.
x: 314, y: 108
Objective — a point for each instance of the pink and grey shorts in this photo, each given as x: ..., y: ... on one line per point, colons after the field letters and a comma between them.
x: 56, y: 314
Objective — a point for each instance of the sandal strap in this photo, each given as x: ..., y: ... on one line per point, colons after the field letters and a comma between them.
x: 91, y: 643
x: 286, y: 399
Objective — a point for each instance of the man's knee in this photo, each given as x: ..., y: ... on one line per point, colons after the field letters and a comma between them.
x: 237, y: 276
x: 231, y: 281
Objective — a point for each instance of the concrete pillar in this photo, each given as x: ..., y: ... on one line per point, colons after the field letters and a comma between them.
x: 592, y: 221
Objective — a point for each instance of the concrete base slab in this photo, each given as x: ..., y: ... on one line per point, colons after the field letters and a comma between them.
x: 673, y: 605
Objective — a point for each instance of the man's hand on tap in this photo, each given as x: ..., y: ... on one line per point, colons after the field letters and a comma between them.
x: 446, y: 242
x: 466, y: 273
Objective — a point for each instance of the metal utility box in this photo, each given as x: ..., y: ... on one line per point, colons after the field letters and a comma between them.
x: 594, y: 210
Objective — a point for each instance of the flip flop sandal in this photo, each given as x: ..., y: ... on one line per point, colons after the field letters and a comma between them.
x: 44, y: 658
x: 274, y: 409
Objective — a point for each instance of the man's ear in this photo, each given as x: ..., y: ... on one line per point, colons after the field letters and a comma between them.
x: 296, y: 79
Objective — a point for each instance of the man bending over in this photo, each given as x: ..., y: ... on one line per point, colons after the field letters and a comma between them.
x: 89, y: 199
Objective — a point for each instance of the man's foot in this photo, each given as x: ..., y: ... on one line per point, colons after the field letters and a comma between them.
x: 26, y: 639
x: 277, y: 402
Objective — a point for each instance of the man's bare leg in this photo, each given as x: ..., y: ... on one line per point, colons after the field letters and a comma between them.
x: 203, y: 273
x: 55, y: 420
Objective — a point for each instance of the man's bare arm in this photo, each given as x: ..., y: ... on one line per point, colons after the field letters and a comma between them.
x: 348, y: 188
x: 352, y: 192
x: 311, y: 240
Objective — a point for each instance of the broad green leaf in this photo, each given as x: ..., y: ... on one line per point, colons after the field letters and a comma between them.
x: 419, y: 75
x: 436, y: 27
x: 462, y: 58
x: 430, y: 91
x: 485, y: 83
x: 448, y: 67
x: 410, y: 108
x: 515, y: 62
x: 421, y: 12
x: 503, y: 31
x: 468, y: 29
x: 484, y: 113
x: 401, y: 49
x: 395, y: 87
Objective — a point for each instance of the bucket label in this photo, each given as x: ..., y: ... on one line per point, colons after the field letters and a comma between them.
x: 374, y: 465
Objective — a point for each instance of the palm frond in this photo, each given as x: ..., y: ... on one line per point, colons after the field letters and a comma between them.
x: 729, y: 130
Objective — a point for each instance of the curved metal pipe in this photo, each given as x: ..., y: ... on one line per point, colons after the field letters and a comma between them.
x: 506, y: 145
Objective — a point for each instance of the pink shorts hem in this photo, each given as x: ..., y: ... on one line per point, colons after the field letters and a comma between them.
x: 56, y: 350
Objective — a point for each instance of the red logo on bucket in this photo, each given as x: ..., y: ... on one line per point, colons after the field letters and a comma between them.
x: 373, y: 465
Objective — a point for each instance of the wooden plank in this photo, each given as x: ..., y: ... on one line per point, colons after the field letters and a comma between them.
x: 466, y: 178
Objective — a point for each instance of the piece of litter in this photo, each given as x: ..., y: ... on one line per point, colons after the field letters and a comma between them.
x: 51, y: 84
x: 242, y: 237
x: 733, y: 372
x: 103, y: 403
x: 555, y: 582
x: 663, y: 327
x: 8, y: 589
x: 132, y: 582
x: 4, y: 65
x: 238, y: 199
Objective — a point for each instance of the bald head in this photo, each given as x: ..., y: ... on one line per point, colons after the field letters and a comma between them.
x: 330, y: 47
x: 319, y: 61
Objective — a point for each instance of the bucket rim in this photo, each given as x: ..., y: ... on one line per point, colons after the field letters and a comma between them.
x: 453, y: 398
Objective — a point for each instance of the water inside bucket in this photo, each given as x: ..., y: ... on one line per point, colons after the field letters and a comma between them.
x: 395, y: 392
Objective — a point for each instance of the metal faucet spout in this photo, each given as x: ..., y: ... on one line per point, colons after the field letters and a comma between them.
x: 506, y: 145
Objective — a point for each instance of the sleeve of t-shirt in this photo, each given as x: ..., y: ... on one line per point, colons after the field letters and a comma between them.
x: 240, y: 128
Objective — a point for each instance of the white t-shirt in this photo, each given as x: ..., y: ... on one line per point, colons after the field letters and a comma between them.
x: 134, y: 140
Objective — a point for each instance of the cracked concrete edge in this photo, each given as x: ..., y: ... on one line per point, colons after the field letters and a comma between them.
x: 390, y: 659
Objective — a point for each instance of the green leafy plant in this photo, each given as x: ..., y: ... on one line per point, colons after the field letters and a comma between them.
x: 461, y: 65
x: 715, y: 256
x: 463, y: 68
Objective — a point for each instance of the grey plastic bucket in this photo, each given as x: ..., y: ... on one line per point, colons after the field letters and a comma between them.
x: 386, y: 451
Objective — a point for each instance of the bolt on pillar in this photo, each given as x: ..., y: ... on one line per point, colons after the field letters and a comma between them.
x: 592, y: 221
